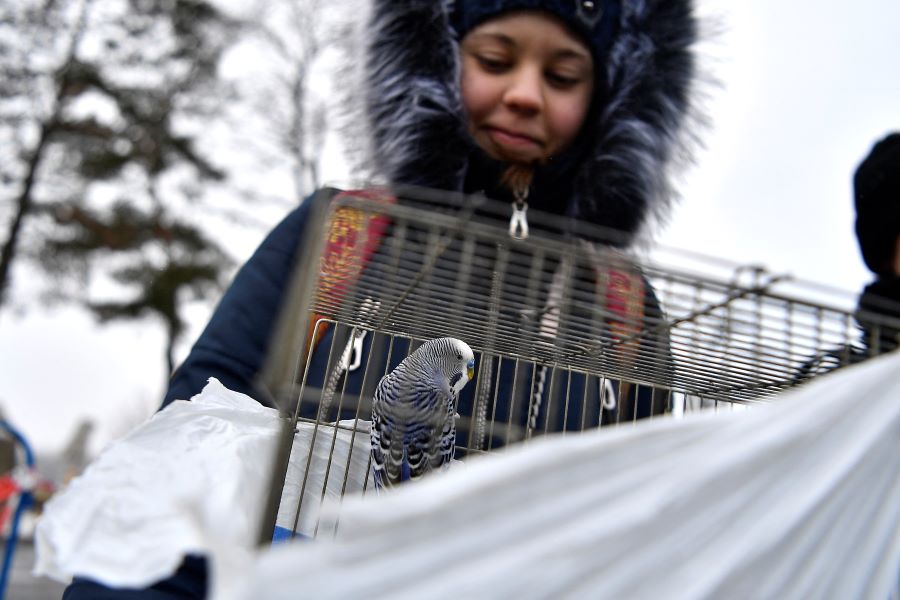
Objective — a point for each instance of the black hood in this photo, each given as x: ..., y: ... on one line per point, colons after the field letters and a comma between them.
x: 617, y: 175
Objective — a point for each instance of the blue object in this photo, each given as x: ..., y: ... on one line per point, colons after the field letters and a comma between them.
x: 26, y: 499
x: 283, y: 534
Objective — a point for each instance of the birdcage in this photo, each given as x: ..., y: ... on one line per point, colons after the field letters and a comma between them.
x: 569, y: 332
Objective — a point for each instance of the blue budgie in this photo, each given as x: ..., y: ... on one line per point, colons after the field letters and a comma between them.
x: 414, y: 411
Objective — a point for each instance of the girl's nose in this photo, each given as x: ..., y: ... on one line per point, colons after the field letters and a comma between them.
x: 524, y: 93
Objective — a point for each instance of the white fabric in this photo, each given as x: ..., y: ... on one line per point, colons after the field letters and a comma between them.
x: 798, y: 498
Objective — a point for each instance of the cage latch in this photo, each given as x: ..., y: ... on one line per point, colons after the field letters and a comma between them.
x: 356, y: 351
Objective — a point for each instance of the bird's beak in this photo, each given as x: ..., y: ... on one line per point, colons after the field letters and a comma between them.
x: 470, y: 371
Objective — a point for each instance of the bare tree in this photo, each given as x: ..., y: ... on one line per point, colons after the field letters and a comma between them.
x: 27, y: 105
x: 108, y: 149
x: 298, y: 44
x: 106, y: 157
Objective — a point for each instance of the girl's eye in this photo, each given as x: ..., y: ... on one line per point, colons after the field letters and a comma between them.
x: 562, y: 81
x: 492, y: 64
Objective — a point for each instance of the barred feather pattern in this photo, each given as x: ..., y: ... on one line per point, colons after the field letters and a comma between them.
x: 414, y: 411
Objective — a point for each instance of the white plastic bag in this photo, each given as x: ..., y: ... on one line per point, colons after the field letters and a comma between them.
x: 348, y: 448
x: 191, y: 480
x: 165, y: 490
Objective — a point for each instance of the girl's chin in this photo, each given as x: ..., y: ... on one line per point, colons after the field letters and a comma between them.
x: 506, y: 155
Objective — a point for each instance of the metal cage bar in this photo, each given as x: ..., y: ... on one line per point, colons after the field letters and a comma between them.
x: 569, y: 333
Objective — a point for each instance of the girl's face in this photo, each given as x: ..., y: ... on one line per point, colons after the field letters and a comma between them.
x: 526, y: 86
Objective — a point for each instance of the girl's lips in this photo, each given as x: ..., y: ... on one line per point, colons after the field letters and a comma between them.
x: 509, y: 138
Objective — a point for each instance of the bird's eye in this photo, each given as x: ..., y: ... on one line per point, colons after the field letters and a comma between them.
x: 459, y: 357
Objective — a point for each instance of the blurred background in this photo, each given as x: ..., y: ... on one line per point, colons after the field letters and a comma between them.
x: 149, y: 145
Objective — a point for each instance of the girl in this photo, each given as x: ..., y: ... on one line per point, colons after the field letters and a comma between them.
x: 575, y: 107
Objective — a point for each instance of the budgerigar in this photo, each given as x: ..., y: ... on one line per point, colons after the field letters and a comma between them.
x: 414, y: 411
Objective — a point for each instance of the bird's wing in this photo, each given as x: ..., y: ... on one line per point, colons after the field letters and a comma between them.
x: 423, y: 431
x: 448, y: 437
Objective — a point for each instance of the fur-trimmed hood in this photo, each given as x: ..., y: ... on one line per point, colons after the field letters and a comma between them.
x: 620, y: 176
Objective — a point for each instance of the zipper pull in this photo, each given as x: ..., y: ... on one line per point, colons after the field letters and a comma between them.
x: 518, y: 223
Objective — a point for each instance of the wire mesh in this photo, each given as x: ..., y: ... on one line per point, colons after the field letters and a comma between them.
x: 569, y: 332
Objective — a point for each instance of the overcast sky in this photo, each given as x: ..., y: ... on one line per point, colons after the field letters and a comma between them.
x: 805, y: 88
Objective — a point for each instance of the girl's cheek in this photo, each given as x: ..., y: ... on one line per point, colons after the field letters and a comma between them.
x: 569, y: 121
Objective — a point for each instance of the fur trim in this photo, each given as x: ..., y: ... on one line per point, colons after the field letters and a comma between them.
x: 649, y: 76
x: 417, y: 121
x: 413, y: 101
